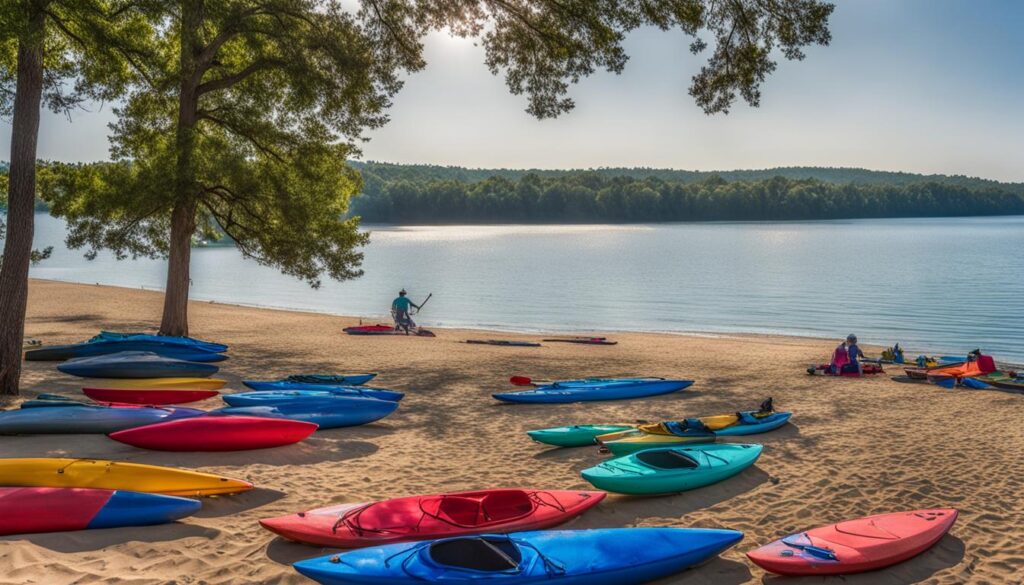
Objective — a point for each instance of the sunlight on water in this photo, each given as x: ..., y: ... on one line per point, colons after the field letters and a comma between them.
x: 945, y: 285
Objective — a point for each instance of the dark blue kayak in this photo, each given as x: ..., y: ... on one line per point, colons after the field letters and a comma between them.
x: 135, y: 364
x: 582, y: 391
x: 96, y: 348
x: 609, y: 556
x: 80, y: 419
x: 272, y: 397
x: 310, y: 382
x: 168, y: 339
x: 329, y: 413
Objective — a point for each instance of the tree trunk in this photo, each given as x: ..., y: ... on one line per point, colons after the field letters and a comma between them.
x: 21, y: 194
x: 183, y: 217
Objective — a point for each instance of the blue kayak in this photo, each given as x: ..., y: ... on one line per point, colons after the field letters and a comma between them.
x: 83, y: 419
x: 310, y: 382
x: 609, y: 556
x: 271, y: 397
x: 95, y: 348
x: 166, y: 339
x: 581, y: 391
x: 135, y: 364
x: 337, y: 411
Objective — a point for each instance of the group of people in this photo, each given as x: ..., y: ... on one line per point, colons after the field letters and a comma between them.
x: 846, y: 357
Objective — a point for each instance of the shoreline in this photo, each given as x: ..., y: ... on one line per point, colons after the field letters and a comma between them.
x: 524, y: 331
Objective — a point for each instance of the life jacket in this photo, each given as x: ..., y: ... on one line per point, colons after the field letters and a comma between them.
x: 840, y: 357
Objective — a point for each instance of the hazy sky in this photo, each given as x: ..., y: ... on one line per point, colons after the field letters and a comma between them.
x: 933, y: 86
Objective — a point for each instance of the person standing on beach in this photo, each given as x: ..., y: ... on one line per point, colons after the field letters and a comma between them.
x: 854, y: 352
x: 400, y: 308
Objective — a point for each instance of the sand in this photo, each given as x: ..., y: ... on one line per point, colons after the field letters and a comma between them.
x: 855, y: 447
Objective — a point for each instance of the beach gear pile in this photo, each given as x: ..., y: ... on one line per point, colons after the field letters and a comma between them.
x: 137, y: 384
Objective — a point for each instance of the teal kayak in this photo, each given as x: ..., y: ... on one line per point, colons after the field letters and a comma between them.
x: 672, y: 470
x: 576, y: 435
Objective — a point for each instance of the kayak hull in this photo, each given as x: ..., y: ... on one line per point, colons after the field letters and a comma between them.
x: 855, y: 546
x: 216, y: 433
x: 161, y: 383
x: 272, y: 397
x: 672, y: 470
x: 148, y: 396
x: 610, y: 556
x: 166, y: 339
x: 74, y: 418
x: 433, y: 516
x: 637, y: 440
x: 78, y: 350
x: 575, y: 436
x: 115, y: 475
x: 352, y: 380
x: 43, y: 509
x: 563, y: 394
x: 135, y: 364
x: 328, y: 414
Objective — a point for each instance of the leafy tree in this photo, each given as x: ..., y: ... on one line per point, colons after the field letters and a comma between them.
x: 256, y: 104
x: 58, y: 53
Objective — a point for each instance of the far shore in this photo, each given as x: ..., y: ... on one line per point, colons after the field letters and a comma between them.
x: 854, y: 446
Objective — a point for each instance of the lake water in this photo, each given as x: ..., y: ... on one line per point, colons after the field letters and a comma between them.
x: 943, y: 285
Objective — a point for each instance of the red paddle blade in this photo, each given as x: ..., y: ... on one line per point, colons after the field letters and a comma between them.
x: 521, y: 381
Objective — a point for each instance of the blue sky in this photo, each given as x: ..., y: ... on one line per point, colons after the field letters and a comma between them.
x: 933, y: 86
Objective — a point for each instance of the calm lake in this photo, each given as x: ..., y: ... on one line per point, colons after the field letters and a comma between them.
x: 936, y: 285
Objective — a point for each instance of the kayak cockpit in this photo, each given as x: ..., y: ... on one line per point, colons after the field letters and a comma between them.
x: 484, y: 554
x: 667, y: 459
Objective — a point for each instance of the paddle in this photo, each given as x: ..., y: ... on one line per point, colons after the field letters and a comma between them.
x: 420, y: 308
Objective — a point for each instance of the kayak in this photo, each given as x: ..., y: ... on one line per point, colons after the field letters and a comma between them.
x: 584, y: 341
x: 689, y: 431
x: 270, y: 397
x: 331, y: 379
x: 984, y: 364
x: 560, y: 392
x: 378, y: 329
x: 854, y: 546
x: 161, y: 383
x: 76, y: 418
x: 1003, y: 380
x: 288, y: 384
x: 826, y: 370
x: 135, y: 364
x: 326, y: 414
x: 216, y: 433
x: 167, y: 339
x: 608, y: 556
x: 115, y: 475
x: 433, y: 516
x: 77, y: 350
x: 148, y: 396
x: 503, y: 342
x: 673, y: 469
x: 44, y: 509
x: 576, y: 435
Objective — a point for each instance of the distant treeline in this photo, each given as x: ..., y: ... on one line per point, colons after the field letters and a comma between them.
x: 407, y: 194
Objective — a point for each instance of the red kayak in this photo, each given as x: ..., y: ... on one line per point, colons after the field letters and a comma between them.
x: 826, y: 370
x: 48, y: 509
x: 217, y: 433
x: 434, y: 516
x: 855, y: 546
x: 385, y: 330
x: 147, y: 397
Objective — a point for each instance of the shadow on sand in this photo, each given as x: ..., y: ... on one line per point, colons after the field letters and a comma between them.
x: 94, y: 540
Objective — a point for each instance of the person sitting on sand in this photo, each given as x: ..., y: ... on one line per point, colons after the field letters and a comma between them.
x: 400, y: 311
x: 853, y: 352
x: 840, y: 357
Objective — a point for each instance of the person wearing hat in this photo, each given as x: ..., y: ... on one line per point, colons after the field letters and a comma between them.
x: 854, y: 353
x: 400, y: 308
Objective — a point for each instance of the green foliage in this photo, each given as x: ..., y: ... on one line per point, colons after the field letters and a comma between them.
x: 597, y: 197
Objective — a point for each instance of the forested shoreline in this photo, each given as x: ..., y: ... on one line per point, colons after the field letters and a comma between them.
x: 426, y: 194
x: 410, y: 194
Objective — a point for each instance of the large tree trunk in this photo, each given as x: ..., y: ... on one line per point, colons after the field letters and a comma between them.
x: 21, y: 193
x: 183, y: 217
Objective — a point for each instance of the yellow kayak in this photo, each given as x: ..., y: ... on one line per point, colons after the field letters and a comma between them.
x: 159, y: 383
x: 115, y: 475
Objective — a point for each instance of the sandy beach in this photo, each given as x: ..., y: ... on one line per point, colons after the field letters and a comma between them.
x: 855, y: 446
